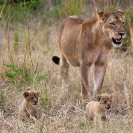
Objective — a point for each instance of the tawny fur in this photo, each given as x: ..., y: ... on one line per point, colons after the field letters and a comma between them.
x: 86, y: 42
x: 28, y: 106
x: 96, y: 110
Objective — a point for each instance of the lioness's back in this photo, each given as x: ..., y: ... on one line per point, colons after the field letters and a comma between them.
x: 73, y: 20
x: 69, y: 24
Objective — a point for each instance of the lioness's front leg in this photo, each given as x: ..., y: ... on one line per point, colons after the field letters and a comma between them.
x: 84, y: 80
x: 99, y: 72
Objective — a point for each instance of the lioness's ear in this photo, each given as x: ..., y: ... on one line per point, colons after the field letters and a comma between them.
x: 26, y: 94
x: 122, y: 13
x: 100, y: 15
x: 99, y: 97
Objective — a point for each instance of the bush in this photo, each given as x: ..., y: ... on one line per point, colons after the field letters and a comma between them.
x: 17, y: 10
x: 66, y: 8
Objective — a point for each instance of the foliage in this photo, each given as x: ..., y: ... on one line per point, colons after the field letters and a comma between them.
x: 16, y: 10
x: 111, y: 9
x: 66, y: 8
x: 17, y: 76
x: 45, y: 100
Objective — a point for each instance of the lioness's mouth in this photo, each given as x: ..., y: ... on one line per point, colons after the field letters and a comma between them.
x: 116, y: 41
x: 33, y: 104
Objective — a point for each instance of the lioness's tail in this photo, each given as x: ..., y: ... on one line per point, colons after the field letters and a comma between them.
x: 56, y: 60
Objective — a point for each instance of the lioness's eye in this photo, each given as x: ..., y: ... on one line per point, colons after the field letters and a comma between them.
x: 123, y: 23
x: 112, y: 24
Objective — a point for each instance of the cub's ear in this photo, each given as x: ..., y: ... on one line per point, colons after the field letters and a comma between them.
x: 26, y: 94
x: 100, y: 15
x: 121, y: 12
x: 111, y: 96
x: 38, y: 93
x: 99, y: 97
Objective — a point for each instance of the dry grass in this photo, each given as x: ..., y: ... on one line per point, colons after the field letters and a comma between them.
x: 59, y: 112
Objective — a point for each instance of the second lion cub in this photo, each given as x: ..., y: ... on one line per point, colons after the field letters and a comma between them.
x: 96, y: 110
x: 28, y: 106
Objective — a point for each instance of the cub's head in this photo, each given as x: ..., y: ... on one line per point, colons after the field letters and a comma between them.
x: 113, y: 26
x: 105, y: 100
x: 31, y: 97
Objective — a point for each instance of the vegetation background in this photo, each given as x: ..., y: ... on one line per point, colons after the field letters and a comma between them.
x: 28, y: 40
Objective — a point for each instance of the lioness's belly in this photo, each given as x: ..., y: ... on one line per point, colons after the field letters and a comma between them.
x: 71, y: 57
x: 73, y: 61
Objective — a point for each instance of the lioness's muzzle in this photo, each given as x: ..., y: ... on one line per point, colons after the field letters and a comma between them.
x: 116, y: 41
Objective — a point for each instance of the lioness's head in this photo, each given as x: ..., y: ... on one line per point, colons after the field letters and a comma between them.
x: 105, y: 100
x: 31, y: 97
x: 113, y: 26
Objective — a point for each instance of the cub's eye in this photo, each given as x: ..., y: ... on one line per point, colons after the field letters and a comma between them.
x: 32, y: 98
x: 112, y: 24
x: 104, y: 102
x: 123, y: 23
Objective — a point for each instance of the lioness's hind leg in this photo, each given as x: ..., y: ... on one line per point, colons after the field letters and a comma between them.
x: 64, y: 66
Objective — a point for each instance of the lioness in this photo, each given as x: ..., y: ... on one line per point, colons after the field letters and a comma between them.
x: 86, y: 42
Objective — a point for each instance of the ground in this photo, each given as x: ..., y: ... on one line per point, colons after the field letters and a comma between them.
x: 60, y: 111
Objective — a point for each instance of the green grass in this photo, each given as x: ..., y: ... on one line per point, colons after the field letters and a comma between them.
x: 66, y: 8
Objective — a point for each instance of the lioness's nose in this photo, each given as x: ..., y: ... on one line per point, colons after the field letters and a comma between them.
x: 122, y: 33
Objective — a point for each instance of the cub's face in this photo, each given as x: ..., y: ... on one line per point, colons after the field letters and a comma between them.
x: 114, y: 27
x: 31, y: 97
x: 105, y: 100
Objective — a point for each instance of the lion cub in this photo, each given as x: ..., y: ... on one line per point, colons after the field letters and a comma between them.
x: 28, y: 106
x: 96, y: 110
